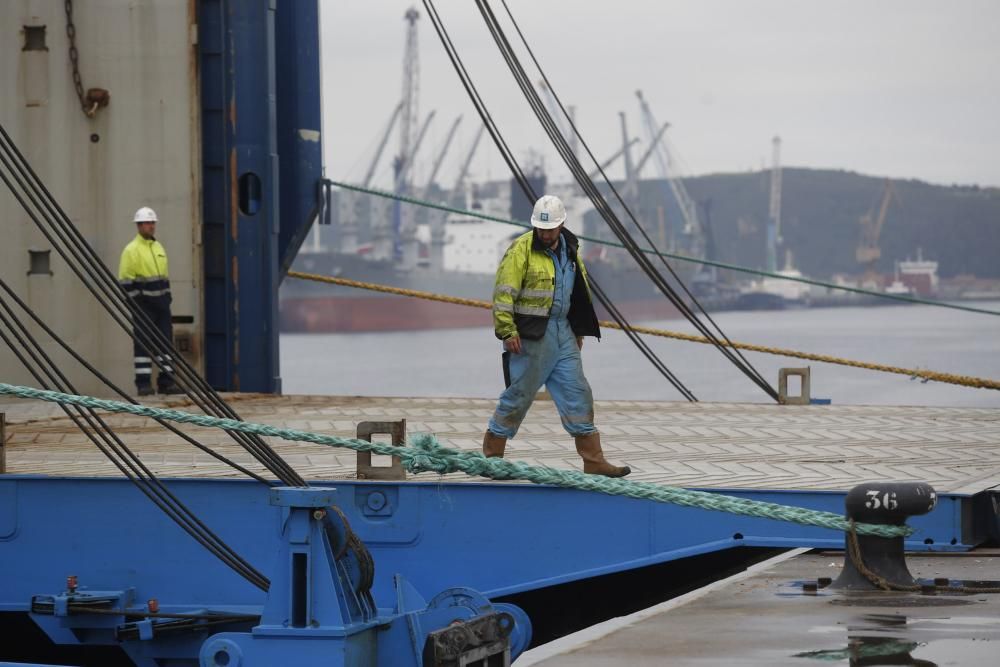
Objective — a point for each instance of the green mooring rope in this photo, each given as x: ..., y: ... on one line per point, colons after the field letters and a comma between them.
x: 682, y: 258
x: 425, y: 454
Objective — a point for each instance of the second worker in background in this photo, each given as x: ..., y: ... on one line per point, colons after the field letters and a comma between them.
x: 143, y: 274
x: 542, y: 309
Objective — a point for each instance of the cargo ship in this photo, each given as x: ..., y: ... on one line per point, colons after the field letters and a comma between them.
x: 359, y: 564
x: 460, y: 262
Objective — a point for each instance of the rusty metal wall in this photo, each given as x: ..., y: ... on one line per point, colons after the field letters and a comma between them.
x: 143, y: 149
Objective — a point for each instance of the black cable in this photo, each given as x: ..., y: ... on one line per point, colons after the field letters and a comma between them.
x: 729, y: 344
x: 41, y: 367
x: 111, y: 385
x: 117, y: 317
x: 146, y: 334
x: 262, y: 454
x: 635, y: 221
x: 477, y: 101
x: 729, y: 351
x: 537, y: 105
x: 601, y: 204
x: 155, y: 492
x: 526, y: 187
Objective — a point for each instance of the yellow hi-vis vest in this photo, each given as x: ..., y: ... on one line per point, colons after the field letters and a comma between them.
x: 143, y: 270
x: 523, y: 292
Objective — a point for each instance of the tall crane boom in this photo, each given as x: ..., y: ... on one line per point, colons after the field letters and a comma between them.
x: 774, y: 208
x: 464, y: 170
x: 868, y: 251
x: 441, y: 154
x: 411, y: 84
x: 689, y: 212
x: 564, y: 124
x: 651, y: 148
x: 411, y: 158
x: 381, y: 146
x: 607, y: 163
x: 626, y: 152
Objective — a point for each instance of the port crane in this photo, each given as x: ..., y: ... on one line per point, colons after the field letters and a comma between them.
x: 688, y: 209
x: 441, y: 155
x: 774, y: 207
x: 868, y: 251
x: 436, y: 218
x: 565, y: 128
x: 381, y: 146
x: 457, y: 190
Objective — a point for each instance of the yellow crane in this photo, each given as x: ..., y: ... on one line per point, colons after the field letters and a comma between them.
x: 868, y: 251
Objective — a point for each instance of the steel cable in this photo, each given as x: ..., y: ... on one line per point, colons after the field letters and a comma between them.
x: 143, y: 333
x: 48, y: 374
x: 526, y: 187
x: 149, y: 336
x: 115, y: 388
x: 637, y: 252
x: 599, y: 202
x: 44, y: 207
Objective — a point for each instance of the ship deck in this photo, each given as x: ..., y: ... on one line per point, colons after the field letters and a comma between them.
x: 768, y: 620
x: 708, y: 445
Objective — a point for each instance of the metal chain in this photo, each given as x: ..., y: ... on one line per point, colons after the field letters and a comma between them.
x: 89, y: 109
x: 854, y: 552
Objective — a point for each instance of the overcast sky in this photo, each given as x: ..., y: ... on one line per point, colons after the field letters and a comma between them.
x: 901, y: 88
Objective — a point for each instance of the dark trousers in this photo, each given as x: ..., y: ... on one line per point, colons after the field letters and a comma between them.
x: 159, y: 315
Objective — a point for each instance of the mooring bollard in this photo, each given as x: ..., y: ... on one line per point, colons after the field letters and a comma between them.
x: 882, y: 563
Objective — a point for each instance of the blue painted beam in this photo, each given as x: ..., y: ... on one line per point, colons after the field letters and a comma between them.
x: 496, y: 538
x: 240, y: 193
x: 299, y: 123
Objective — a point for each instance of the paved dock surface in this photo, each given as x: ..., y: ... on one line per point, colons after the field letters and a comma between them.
x: 682, y: 444
x: 762, y: 618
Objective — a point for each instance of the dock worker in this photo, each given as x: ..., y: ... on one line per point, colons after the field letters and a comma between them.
x: 143, y: 274
x: 542, y: 309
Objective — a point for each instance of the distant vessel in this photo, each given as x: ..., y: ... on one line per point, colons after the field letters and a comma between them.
x: 920, y: 275
x: 776, y: 293
x: 459, y: 261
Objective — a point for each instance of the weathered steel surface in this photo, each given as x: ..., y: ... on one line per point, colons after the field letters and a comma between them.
x: 143, y: 149
x: 957, y: 450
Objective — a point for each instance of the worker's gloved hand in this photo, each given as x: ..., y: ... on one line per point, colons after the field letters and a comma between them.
x: 512, y: 344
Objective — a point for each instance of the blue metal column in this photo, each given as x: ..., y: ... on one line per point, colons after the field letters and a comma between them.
x: 240, y: 172
x: 299, y: 123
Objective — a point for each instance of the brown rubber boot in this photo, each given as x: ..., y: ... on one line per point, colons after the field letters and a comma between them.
x: 594, y: 463
x: 493, y: 445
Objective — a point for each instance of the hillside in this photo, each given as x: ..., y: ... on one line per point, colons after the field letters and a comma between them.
x: 958, y: 226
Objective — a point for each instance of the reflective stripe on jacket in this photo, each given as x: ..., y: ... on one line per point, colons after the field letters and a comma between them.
x: 143, y: 270
x: 522, y: 294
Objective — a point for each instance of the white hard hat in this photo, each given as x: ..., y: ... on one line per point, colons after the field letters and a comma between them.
x: 548, y: 213
x: 145, y: 214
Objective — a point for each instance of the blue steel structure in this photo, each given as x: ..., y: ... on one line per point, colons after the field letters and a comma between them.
x: 331, y: 601
x: 421, y: 537
x: 261, y: 163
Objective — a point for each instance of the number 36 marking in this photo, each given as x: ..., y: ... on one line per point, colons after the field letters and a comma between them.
x: 879, y: 501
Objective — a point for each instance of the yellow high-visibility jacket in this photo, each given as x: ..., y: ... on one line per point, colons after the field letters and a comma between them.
x: 143, y: 270
x: 522, y: 294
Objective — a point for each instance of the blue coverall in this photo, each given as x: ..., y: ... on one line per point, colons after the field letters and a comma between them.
x: 554, y: 361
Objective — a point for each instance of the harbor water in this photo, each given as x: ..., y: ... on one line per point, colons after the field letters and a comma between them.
x: 466, y: 362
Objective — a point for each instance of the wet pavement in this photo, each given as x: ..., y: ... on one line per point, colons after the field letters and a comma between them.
x: 763, y: 617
